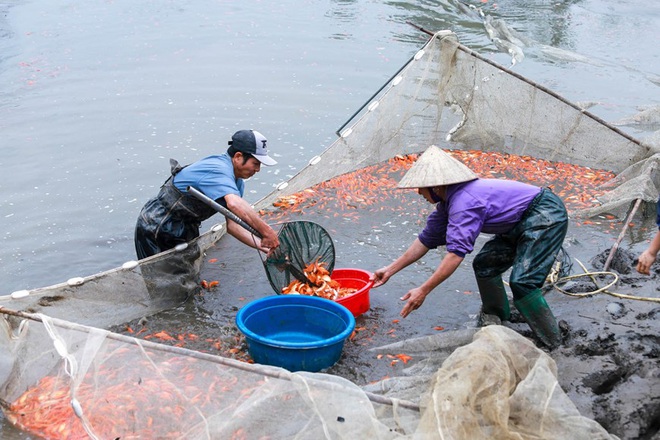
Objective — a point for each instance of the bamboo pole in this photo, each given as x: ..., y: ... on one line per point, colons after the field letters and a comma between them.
x: 615, y: 247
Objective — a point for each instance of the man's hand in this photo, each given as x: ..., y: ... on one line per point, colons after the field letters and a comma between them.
x: 646, y: 259
x: 271, y: 242
x: 244, y: 211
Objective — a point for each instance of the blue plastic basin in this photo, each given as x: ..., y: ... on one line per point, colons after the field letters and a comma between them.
x: 296, y: 332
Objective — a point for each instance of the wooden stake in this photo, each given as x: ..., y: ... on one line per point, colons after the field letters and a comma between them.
x: 623, y: 232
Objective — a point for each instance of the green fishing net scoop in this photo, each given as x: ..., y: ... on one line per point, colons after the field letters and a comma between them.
x: 301, y: 243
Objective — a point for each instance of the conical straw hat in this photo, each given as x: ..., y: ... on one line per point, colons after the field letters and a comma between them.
x: 435, y: 168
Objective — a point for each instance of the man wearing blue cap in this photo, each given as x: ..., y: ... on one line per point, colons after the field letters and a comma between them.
x: 174, y: 216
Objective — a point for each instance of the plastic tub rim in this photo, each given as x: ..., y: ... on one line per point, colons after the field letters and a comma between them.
x: 349, y: 319
x: 360, y: 291
x: 369, y: 283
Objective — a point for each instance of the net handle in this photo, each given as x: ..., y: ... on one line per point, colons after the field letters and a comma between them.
x: 221, y: 209
x: 295, y: 271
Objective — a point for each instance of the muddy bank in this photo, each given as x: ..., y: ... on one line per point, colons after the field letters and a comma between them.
x: 609, y: 364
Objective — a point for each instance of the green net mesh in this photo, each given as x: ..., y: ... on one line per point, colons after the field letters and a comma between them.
x: 301, y: 243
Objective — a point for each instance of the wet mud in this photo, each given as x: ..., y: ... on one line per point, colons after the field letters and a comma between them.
x: 609, y: 363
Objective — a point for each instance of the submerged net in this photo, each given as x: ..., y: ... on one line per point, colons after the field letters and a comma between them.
x: 64, y: 376
x: 95, y: 384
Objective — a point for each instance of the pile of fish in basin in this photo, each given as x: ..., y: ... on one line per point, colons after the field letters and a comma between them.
x: 305, y: 325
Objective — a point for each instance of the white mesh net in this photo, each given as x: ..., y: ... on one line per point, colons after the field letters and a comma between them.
x: 450, y: 96
x: 63, y: 376
x: 95, y: 384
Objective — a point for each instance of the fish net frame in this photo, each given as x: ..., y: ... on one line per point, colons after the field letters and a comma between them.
x: 301, y: 243
x: 445, y: 95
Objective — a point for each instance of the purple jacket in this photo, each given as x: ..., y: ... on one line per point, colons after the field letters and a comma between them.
x: 491, y: 206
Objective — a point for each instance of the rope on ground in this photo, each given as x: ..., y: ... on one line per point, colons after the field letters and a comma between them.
x: 556, y: 281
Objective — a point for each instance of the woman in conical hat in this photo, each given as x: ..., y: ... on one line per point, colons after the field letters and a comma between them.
x: 529, y: 225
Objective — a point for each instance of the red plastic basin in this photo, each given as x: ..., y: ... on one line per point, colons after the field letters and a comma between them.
x: 358, y: 302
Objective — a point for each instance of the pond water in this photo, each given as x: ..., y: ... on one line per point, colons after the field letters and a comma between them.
x: 95, y: 97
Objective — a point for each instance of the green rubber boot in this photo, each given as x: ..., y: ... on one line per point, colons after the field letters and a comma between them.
x: 538, y: 315
x: 493, y: 297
